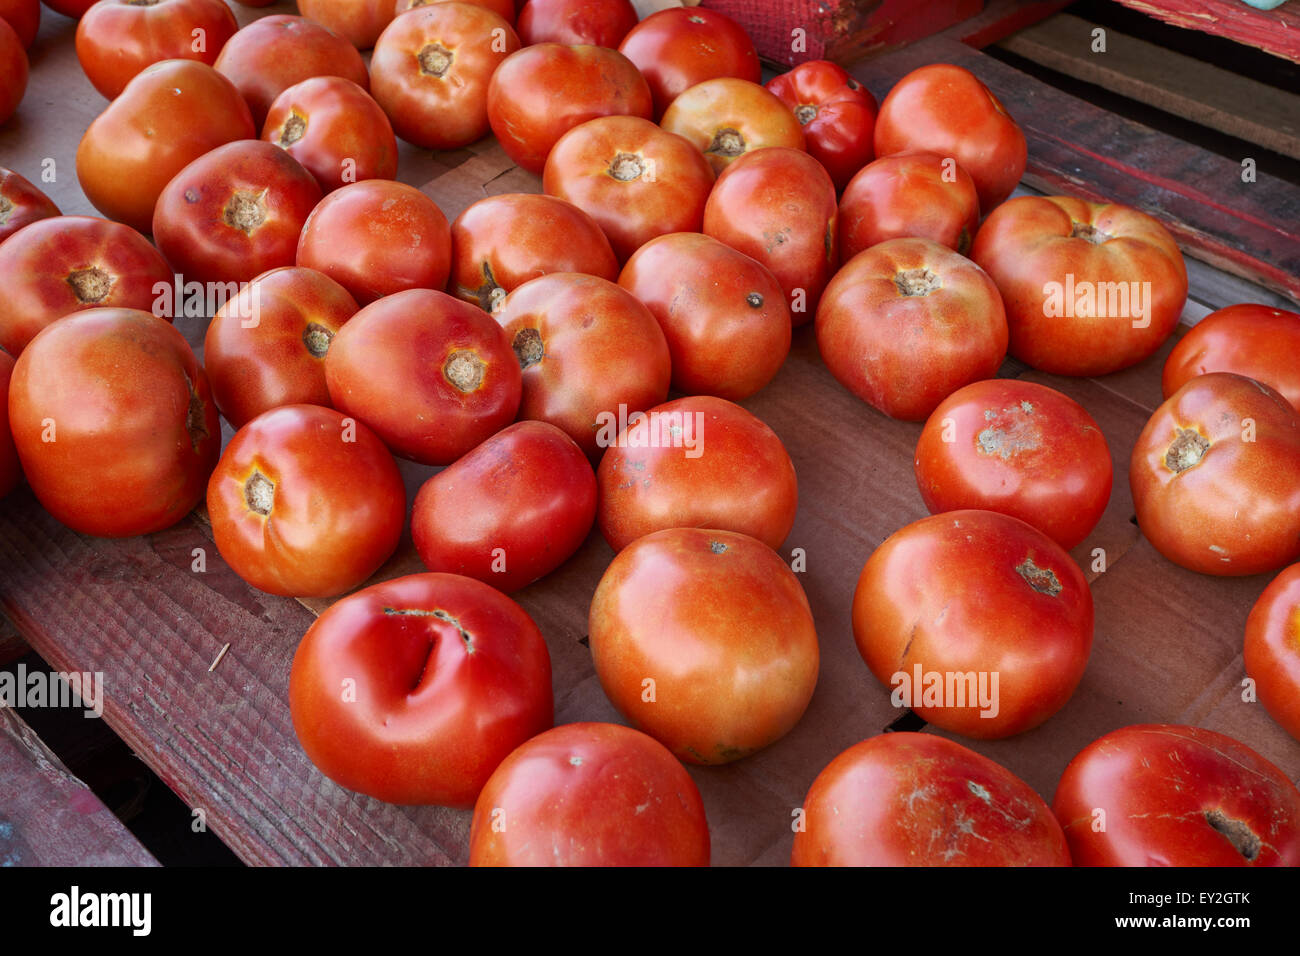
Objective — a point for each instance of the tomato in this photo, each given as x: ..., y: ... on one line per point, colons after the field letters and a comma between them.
x: 335, y: 129
x: 978, y: 622
x: 541, y: 92
x: 697, y: 462
x: 129, y: 375
x: 1020, y: 449
x: 235, y: 212
x: 360, y: 22
x: 1257, y: 341
x: 724, y: 314
x: 500, y: 242
x: 596, y: 22
x: 906, y: 799
x: 505, y: 9
x: 272, y: 54
x: 1089, y: 288
x: 11, y: 472
x: 727, y: 118
x: 70, y: 8
x: 376, y: 238
x: 634, y: 179
x: 778, y: 206
x: 24, y: 16
x: 1215, y: 476
x: 590, y: 795
x: 116, y: 39
x: 430, y: 374
x: 680, y: 47
x: 65, y: 264
x: 13, y: 71
x: 510, y: 511
x: 837, y: 113
x: 909, y: 195
x: 266, y: 346
x: 21, y: 203
x: 1169, y: 795
x: 1272, y: 649
x: 945, y: 109
x: 413, y: 690
x: 168, y: 116
x: 589, y: 352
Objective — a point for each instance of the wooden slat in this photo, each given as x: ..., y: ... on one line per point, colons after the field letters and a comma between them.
x: 12, y: 645
x: 1273, y: 31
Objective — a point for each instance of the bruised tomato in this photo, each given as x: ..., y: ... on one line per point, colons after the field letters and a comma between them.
x: 595, y: 22
x: 727, y: 118
x: 1257, y: 341
x: 837, y: 113
x: 1272, y: 649
x: 909, y: 195
x: 21, y: 203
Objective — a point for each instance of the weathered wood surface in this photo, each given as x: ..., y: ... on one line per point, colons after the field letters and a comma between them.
x: 1273, y: 31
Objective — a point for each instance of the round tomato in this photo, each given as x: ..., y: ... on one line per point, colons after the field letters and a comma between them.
x: 727, y: 118
x: 1272, y: 649
x: 360, y: 22
x: 1257, y: 341
x: 704, y: 640
x: 447, y: 677
x: 11, y: 472
x: 595, y: 22
x: 590, y: 795
x: 909, y: 195
x: 21, y: 203
x: 70, y: 8
x: 24, y: 16
x: 13, y: 71
x: 837, y: 113
x: 505, y: 9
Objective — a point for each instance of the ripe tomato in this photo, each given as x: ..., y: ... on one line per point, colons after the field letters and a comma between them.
x: 168, y: 116
x: 908, y: 322
x: 1216, y: 477
x: 909, y: 195
x: 1089, y: 288
x: 70, y: 8
x: 500, y: 242
x: 430, y: 374
x: 413, y: 690
x: 505, y: 9
x: 129, y: 375
x: 1272, y: 649
x: 21, y: 203
x: 588, y: 350
x: 11, y: 472
x: 905, y: 799
x: 360, y: 22
x: 704, y: 640
x: 13, y: 71
x: 978, y: 622
x: 727, y: 118
x: 724, y: 314
x: 24, y: 16
x: 697, y: 462
x: 945, y: 109
x: 1257, y: 341
x: 61, y: 265
x: 430, y: 72
x: 541, y: 92
x: 335, y: 129
x: 837, y: 113
x: 266, y: 346
x: 510, y: 511
x: 590, y: 795
x: 634, y: 179
x: 376, y: 238
x: 680, y: 47
x: 778, y: 206
x: 1020, y: 449
x: 116, y: 39
x: 1168, y: 795
x: 595, y: 22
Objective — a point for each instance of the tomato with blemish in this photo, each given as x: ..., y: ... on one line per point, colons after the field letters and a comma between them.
x: 837, y: 113
x: 909, y: 195
x: 1258, y: 341
x: 728, y: 118
x: 596, y: 22
x: 21, y: 203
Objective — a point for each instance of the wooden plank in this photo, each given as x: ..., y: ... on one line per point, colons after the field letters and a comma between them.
x: 1273, y: 31
x: 12, y: 645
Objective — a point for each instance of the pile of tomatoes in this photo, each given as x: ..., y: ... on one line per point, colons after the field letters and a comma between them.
x: 690, y: 220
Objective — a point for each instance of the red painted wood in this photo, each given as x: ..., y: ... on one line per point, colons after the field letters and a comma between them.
x: 1001, y: 18
x: 1273, y: 31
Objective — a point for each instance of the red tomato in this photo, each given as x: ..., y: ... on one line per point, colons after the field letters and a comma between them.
x: 541, y: 92
x: 266, y: 346
x: 1272, y: 649
x: 727, y: 118
x: 724, y: 314
x: 21, y: 203
x: 235, y: 212
x: 596, y: 22
x: 1168, y: 795
x: 907, y: 323
x: 413, y: 690
x: 978, y: 622
x: 116, y: 39
x: 68, y: 263
x: 130, y: 375
x: 168, y: 116
x: 1089, y: 288
x: 680, y: 47
x: 430, y: 72
x: 505, y: 9
x: 778, y: 206
x: 70, y: 8
x: 1020, y: 449
x: 909, y: 195
x: 334, y: 128
x: 24, y: 16
x: 588, y: 350
x: 376, y: 238
x: 510, y: 511
x: 945, y: 109
x: 1216, y: 477
x: 11, y: 472
x: 837, y: 113
x: 634, y: 179
x: 590, y: 795
x: 697, y: 462
x: 905, y: 799
x: 430, y: 374
x: 360, y: 22
x: 500, y: 242
x: 13, y: 71
x: 1257, y: 341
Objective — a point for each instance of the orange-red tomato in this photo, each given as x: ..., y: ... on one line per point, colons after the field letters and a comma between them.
x: 360, y: 22
x: 13, y: 71
x: 505, y: 9
x: 24, y: 16
x: 1272, y: 649
x: 837, y: 113
x: 70, y: 8
x: 909, y: 195
x: 21, y: 203
x: 596, y: 22
x: 1257, y: 341
x: 11, y: 472
x: 727, y: 118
